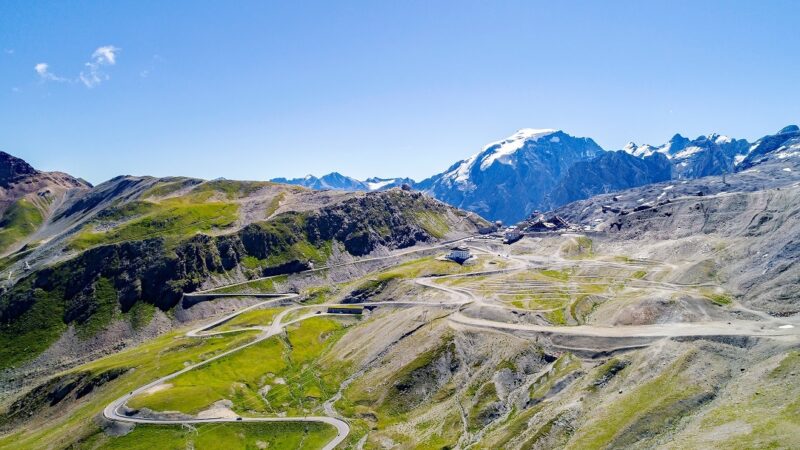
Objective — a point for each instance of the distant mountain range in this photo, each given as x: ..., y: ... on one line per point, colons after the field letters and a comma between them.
x: 335, y: 180
x: 546, y: 168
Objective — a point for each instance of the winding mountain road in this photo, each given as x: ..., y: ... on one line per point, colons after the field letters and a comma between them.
x: 112, y: 411
x: 456, y: 298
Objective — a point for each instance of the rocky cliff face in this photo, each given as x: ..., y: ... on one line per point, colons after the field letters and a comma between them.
x: 706, y: 155
x: 612, y: 171
x: 782, y: 145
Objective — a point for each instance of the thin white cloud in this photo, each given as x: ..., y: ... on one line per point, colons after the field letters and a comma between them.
x: 43, y: 69
x: 93, y: 74
x: 105, y: 55
x: 9, y: 51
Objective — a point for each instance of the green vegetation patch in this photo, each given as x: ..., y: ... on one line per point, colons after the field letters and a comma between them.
x: 563, y: 366
x: 172, y: 219
x: 270, y: 377
x: 556, y: 317
x: 34, y: 331
x: 485, y: 408
x: 252, y: 318
x: 229, y: 189
x: 101, y: 309
x: 405, y: 390
x: 426, y: 266
x: 275, y: 203
x: 606, y: 371
x: 169, y: 186
x: 562, y: 275
x: 433, y: 223
x: 21, y: 219
x: 769, y: 410
x: 648, y: 408
x: 70, y: 422
x: 720, y: 299
x: 226, y: 436
x: 141, y: 314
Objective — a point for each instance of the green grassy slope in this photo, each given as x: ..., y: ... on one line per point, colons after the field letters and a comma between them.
x: 19, y: 221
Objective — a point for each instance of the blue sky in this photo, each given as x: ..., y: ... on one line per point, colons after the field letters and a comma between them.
x: 255, y: 90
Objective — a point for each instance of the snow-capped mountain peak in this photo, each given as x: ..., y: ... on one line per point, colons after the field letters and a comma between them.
x: 641, y: 150
x: 498, y: 151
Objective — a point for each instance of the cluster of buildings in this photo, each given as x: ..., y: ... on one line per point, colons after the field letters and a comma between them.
x: 539, y: 223
x: 536, y: 223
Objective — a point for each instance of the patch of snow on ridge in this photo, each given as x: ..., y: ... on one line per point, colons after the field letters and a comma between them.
x: 511, y: 144
x: 641, y: 151
x: 461, y: 173
x: 373, y: 186
x: 630, y: 147
x: 722, y: 140
x: 738, y: 159
x: 687, y: 152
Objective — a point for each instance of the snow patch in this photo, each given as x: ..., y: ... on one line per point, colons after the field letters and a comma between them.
x: 723, y: 140
x: 373, y: 186
x: 555, y: 139
x: 786, y: 326
x: 738, y: 159
x: 511, y: 144
x: 687, y: 152
x: 641, y: 151
x: 461, y: 173
x: 786, y: 169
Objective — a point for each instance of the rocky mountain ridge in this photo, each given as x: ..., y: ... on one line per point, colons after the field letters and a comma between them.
x: 540, y: 169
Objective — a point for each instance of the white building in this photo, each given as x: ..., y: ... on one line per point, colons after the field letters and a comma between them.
x: 459, y: 254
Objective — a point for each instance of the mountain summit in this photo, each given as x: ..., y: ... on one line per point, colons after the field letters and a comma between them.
x: 509, y: 178
x: 13, y: 169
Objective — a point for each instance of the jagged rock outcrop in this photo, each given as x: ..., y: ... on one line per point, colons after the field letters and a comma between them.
x: 13, y: 169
